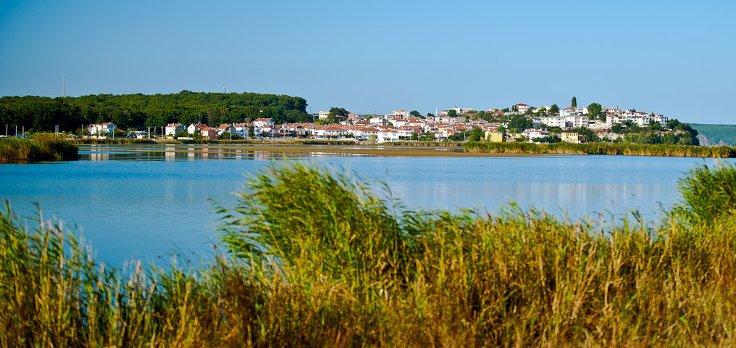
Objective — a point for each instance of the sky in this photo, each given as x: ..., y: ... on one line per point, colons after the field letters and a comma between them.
x: 677, y: 58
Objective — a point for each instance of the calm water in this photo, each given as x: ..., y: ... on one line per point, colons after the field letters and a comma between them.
x: 143, y: 202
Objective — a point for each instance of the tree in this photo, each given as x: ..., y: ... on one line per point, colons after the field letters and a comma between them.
x: 519, y: 123
x: 555, y: 130
x: 452, y: 113
x: 554, y: 109
x: 574, y: 102
x: 415, y: 113
x: 587, y: 133
x: 502, y: 130
x: 334, y: 113
x: 476, y: 134
x: 594, y: 111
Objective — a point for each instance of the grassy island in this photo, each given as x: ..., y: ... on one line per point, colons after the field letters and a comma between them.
x: 599, y: 148
x: 43, y: 147
x: 313, y: 257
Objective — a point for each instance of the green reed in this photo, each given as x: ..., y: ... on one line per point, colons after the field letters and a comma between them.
x: 629, y: 149
x: 319, y: 257
x: 43, y: 147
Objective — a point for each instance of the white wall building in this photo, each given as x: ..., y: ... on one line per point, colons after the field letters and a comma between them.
x: 106, y: 129
x: 521, y: 108
x: 570, y: 121
x: 172, y: 128
x: 569, y: 111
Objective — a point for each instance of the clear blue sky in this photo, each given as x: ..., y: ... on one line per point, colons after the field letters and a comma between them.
x: 671, y: 57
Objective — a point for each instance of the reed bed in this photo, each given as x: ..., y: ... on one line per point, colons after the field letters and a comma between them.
x: 629, y: 149
x: 43, y: 147
x: 316, y: 257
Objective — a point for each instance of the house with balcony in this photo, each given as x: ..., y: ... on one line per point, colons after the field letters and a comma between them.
x: 106, y: 129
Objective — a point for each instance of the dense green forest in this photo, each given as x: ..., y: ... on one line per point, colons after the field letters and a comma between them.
x: 717, y: 133
x: 139, y: 110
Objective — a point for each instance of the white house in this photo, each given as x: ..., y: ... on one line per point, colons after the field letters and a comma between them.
x: 642, y: 119
x: 173, y: 128
x: 225, y: 128
x: 388, y: 135
x: 103, y: 129
x: 401, y: 114
x: 521, y: 108
x: 195, y: 128
x: 570, y: 111
x: 458, y: 110
x: 241, y: 129
x: 568, y: 121
x: 532, y: 134
x: 262, y: 125
x: 323, y: 115
x: 377, y: 120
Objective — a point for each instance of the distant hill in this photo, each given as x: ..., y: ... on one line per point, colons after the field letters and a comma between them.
x: 715, y: 134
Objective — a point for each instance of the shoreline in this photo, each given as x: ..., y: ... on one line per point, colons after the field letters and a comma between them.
x: 309, y: 149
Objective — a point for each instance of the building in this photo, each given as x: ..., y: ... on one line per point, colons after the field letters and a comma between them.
x: 195, y: 128
x: 262, y: 126
x: 494, y: 136
x: 571, y: 111
x: 241, y: 129
x: 106, y: 129
x: 571, y: 137
x: 225, y: 128
x: 641, y: 119
x: 323, y: 115
x: 400, y: 114
x: 174, y: 128
x: 208, y: 133
x: 458, y: 110
x: 565, y: 122
x: 521, y: 108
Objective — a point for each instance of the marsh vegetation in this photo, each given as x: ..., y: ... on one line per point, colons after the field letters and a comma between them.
x: 314, y: 256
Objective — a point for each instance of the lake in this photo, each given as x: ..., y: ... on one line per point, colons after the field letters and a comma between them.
x: 145, y: 201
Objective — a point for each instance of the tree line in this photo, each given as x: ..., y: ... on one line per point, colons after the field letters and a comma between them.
x: 140, y: 110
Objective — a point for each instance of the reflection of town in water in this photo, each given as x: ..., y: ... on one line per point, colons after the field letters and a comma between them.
x: 171, y: 153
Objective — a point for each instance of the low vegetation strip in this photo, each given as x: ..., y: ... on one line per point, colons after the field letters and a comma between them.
x: 36, y: 150
x: 315, y: 258
x: 603, y: 149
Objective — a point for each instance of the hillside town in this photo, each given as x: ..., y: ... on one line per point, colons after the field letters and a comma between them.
x: 517, y: 123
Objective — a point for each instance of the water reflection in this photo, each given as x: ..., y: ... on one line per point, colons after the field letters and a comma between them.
x: 143, y: 201
x: 172, y: 153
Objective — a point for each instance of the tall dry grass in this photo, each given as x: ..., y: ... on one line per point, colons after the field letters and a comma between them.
x: 316, y: 257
